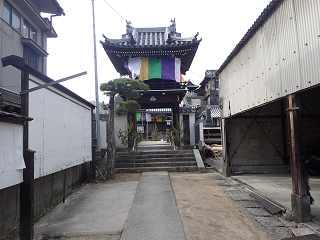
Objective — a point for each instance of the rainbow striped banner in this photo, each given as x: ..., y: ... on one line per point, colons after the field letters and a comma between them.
x: 146, y: 68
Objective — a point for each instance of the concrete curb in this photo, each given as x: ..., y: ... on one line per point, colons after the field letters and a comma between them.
x: 200, y: 164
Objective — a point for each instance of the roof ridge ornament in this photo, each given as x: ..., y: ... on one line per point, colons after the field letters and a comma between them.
x: 173, y: 26
x: 169, y: 40
x: 129, y: 27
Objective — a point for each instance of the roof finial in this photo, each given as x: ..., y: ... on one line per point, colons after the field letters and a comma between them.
x: 173, y: 22
x: 129, y: 27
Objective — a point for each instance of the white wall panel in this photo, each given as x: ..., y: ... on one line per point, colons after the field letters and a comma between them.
x: 120, y: 122
x: 11, y: 154
x: 60, y: 132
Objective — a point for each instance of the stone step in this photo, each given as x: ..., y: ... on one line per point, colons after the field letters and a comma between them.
x: 143, y: 153
x: 153, y: 159
x: 154, y: 169
x: 151, y: 155
x: 155, y: 164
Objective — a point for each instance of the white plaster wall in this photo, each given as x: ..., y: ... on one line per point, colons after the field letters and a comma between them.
x: 60, y: 132
x: 119, y: 123
x: 11, y: 154
x: 103, y: 134
x: 191, y: 126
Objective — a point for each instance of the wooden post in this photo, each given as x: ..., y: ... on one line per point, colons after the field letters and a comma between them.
x: 175, y: 113
x: 27, y: 186
x: 27, y: 197
x: 227, y: 168
x: 299, y: 199
x: 285, y: 159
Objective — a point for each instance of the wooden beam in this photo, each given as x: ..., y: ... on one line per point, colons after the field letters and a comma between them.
x: 27, y: 186
x: 297, y: 161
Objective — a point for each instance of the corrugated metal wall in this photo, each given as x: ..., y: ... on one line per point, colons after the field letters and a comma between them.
x: 282, y: 57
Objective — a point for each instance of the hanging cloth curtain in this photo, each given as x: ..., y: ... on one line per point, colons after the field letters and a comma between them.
x: 146, y: 68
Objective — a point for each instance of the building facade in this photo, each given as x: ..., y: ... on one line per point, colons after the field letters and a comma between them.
x: 51, y: 154
x: 159, y: 57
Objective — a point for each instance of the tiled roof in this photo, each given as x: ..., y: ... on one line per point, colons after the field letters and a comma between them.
x: 151, y: 42
x: 183, y: 109
x: 214, y: 110
x: 14, y: 116
x: 151, y: 37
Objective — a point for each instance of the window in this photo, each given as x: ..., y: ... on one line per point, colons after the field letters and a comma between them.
x: 16, y: 22
x: 7, y: 12
x: 26, y: 29
x: 31, y: 57
x: 13, y: 17
x: 33, y: 34
x: 29, y: 31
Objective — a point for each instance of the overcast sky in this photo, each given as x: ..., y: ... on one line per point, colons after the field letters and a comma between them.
x: 221, y: 25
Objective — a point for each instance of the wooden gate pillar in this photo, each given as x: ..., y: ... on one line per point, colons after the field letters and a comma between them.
x: 175, y: 113
x: 226, y: 168
x: 300, y: 201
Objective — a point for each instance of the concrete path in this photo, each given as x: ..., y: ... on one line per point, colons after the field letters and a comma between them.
x: 135, y: 210
x: 98, y: 209
x: 154, y: 214
x: 279, y: 188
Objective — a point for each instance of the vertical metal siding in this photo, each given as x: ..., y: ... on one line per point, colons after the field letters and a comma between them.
x: 281, y: 58
x: 239, y: 89
x: 272, y: 68
x: 288, y: 46
x: 308, y: 31
x: 258, y: 68
x: 245, y: 58
x: 224, y: 93
x: 235, y: 82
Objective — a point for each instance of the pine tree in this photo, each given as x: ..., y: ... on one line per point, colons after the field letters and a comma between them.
x: 127, y: 88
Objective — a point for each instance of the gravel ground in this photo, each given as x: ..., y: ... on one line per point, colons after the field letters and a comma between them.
x: 208, y: 212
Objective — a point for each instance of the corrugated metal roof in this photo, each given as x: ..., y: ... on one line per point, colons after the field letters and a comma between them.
x: 260, y: 20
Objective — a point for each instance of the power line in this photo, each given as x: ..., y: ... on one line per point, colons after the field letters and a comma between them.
x: 115, y: 10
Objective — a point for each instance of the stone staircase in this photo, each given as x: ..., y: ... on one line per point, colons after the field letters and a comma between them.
x: 156, y: 160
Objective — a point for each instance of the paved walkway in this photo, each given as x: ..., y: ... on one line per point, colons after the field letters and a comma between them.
x: 139, y: 210
x: 154, y: 213
x: 97, y: 209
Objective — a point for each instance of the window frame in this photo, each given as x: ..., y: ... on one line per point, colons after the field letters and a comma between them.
x: 10, y: 12
x: 22, y: 21
x: 16, y: 13
x: 28, y: 25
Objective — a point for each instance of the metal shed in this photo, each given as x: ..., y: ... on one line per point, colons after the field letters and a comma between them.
x: 269, y: 96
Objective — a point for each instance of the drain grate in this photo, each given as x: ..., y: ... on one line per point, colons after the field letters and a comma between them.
x: 305, y: 237
x: 271, y: 207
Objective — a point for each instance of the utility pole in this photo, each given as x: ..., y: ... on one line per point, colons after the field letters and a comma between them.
x: 96, y: 82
